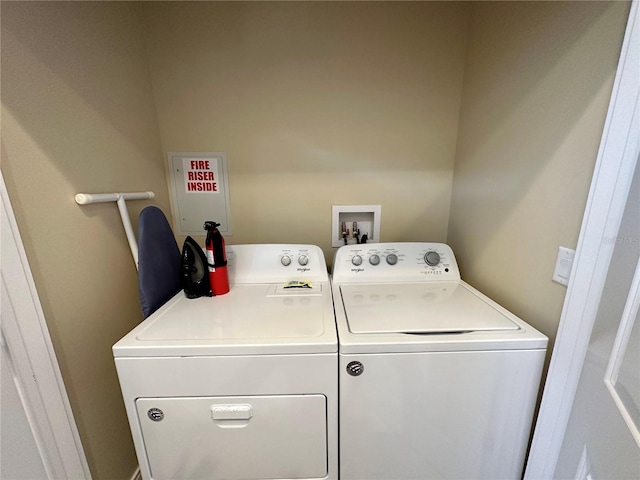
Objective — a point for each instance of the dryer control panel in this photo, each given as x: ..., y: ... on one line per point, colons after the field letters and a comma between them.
x: 395, y: 262
x: 276, y: 263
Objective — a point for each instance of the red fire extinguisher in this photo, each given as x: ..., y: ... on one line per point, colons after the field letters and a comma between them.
x: 217, y: 259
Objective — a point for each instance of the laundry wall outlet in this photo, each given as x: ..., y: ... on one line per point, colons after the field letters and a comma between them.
x: 352, y: 224
x: 199, y: 191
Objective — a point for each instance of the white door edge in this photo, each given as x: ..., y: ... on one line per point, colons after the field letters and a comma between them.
x: 37, y: 374
x: 616, y: 162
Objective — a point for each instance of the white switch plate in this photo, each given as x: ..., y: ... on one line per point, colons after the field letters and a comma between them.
x: 367, y: 218
x: 564, y: 262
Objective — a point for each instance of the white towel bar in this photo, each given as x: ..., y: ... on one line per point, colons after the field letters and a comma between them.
x: 120, y: 199
x: 86, y: 198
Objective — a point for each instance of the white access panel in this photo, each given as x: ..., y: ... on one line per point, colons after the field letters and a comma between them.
x: 254, y: 437
x: 199, y: 191
x: 437, y: 415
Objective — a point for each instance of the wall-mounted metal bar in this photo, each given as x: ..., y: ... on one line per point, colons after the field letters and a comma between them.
x: 86, y: 198
x: 120, y: 199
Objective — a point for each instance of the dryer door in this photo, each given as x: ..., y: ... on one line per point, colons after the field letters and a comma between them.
x: 255, y: 437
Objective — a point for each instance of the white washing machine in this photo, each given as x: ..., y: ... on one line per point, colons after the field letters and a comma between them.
x: 239, y: 386
x: 436, y: 380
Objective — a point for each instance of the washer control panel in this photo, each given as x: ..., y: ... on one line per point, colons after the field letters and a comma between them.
x: 402, y: 261
x: 275, y: 263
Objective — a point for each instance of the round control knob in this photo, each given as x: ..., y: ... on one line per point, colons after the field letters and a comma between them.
x: 303, y: 260
x: 285, y: 260
x: 392, y: 259
x: 374, y: 259
x: 432, y: 258
x: 356, y: 260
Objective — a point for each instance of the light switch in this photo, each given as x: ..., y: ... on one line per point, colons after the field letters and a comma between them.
x: 564, y: 263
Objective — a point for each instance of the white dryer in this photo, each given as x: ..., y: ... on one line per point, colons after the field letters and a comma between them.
x: 436, y: 380
x: 239, y: 386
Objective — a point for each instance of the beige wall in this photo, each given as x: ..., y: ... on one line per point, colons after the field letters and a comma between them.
x: 78, y: 116
x: 538, y: 77
x: 315, y: 104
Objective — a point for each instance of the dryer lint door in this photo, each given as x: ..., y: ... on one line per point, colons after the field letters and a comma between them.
x: 421, y: 308
x: 254, y: 437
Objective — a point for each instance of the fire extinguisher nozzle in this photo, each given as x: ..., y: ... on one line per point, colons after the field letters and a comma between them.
x: 211, y: 225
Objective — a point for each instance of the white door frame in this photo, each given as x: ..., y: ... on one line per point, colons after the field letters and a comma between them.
x: 25, y: 335
x: 616, y: 162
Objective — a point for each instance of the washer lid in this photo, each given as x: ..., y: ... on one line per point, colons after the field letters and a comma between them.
x: 420, y: 308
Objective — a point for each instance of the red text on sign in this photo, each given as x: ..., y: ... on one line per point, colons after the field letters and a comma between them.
x: 202, y: 187
x: 199, y: 164
x: 200, y: 176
